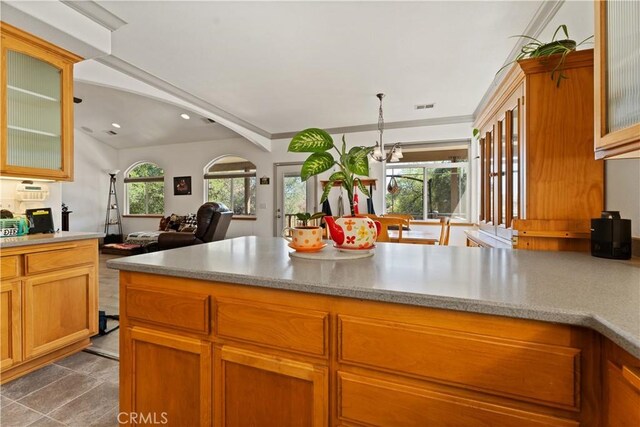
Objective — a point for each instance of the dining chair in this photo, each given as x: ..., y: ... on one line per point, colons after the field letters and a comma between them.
x: 385, y: 223
x: 398, y: 215
x: 445, y: 229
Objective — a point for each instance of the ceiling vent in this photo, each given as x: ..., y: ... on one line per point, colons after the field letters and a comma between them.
x: 424, y: 106
x: 208, y: 120
x: 110, y: 132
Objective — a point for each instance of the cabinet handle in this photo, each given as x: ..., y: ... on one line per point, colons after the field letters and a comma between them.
x: 632, y: 375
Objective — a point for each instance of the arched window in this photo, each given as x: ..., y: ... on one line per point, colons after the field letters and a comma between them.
x: 232, y: 181
x: 144, y: 189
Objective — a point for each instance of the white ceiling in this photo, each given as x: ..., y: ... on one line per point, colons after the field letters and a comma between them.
x: 144, y: 121
x: 285, y: 66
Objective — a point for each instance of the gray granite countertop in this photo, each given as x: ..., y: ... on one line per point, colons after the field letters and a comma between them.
x: 40, y: 239
x: 564, y: 287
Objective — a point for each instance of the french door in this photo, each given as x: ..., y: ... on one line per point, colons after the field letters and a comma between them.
x: 292, y: 195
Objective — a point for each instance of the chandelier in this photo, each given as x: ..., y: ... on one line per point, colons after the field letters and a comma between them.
x: 379, y: 154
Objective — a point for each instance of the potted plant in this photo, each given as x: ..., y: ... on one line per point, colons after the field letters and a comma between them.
x: 537, y: 49
x: 305, y: 217
x: 350, y: 232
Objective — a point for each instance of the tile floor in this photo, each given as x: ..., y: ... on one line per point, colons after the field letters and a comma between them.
x: 80, y: 390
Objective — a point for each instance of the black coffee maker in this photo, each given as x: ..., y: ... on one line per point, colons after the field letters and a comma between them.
x: 611, y: 236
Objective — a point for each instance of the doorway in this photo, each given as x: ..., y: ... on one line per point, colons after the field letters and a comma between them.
x: 292, y: 195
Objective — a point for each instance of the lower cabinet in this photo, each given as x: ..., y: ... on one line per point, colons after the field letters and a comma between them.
x: 259, y: 389
x: 49, y: 304
x: 10, y: 323
x: 164, y: 379
x: 621, y: 387
x: 60, y: 308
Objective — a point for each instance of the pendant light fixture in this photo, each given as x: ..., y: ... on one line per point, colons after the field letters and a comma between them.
x: 379, y: 154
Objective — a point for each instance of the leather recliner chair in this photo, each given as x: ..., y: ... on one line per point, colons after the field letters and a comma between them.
x: 213, y: 220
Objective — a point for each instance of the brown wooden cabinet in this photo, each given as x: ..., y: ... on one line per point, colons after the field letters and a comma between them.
x: 171, y: 376
x: 294, y: 359
x: 621, y: 373
x: 49, y: 303
x: 540, y: 184
x: 11, y: 324
x: 260, y: 389
x: 617, y: 118
x: 36, y: 110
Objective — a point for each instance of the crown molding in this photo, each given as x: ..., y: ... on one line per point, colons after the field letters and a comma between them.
x: 546, y: 11
x: 96, y: 13
x: 450, y: 120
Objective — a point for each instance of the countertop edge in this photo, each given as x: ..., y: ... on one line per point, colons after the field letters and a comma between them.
x: 591, y: 320
x: 43, y: 239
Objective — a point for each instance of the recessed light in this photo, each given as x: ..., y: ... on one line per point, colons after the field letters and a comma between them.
x: 115, y: 125
x: 185, y: 116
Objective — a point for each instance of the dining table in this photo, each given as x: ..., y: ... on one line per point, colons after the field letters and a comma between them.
x: 421, y: 234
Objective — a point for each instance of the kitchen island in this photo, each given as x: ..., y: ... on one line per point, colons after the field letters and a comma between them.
x: 49, y: 298
x: 414, y: 335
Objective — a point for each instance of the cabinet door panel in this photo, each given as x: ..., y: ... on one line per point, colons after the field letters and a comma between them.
x: 255, y: 389
x: 60, y: 308
x: 623, y: 398
x: 10, y: 324
x: 167, y: 376
x: 382, y: 403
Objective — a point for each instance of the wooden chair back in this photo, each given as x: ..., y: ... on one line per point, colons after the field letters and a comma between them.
x: 385, y: 222
x: 397, y: 215
x: 445, y: 229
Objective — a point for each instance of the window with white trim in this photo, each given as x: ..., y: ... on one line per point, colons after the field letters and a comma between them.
x: 232, y: 181
x: 144, y: 189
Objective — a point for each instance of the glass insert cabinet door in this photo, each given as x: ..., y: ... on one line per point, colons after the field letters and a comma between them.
x: 37, y: 107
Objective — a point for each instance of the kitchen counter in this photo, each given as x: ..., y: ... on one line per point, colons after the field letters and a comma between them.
x: 569, y: 288
x: 41, y: 239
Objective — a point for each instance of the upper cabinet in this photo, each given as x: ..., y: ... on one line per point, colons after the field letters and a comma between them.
x: 36, y: 112
x: 539, y: 181
x: 617, y: 79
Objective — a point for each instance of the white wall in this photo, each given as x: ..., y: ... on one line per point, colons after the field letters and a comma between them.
x: 190, y: 160
x: 87, y: 195
x: 54, y: 201
x: 622, y: 190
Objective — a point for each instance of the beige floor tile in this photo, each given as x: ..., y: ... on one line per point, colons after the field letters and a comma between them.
x: 46, y: 422
x: 16, y: 415
x: 110, y: 419
x: 59, y: 393
x: 19, y: 388
x: 89, y: 407
x: 5, y: 401
x: 90, y: 364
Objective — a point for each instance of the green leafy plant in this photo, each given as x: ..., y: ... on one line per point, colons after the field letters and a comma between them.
x: 537, y: 49
x: 351, y: 164
x: 305, y: 217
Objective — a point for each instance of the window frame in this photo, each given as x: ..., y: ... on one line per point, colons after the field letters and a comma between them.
x: 131, y: 180
x: 208, y: 176
x: 425, y: 166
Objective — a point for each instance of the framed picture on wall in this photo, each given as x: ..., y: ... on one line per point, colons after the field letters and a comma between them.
x: 181, y: 185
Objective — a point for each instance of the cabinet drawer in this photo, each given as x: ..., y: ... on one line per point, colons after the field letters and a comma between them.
x: 287, y: 328
x: 40, y: 262
x: 383, y: 403
x: 537, y: 372
x: 176, y: 310
x: 10, y: 267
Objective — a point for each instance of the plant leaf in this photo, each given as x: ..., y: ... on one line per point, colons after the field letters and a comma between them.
x: 476, y: 132
x: 344, y: 145
x: 302, y: 216
x: 315, y: 164
x: 311, y: 140
x: 337, y: 176
x: 325, y: 191
x: 362, y: 188
x: 564, y: 29
x: 317, y: 215
x: 357, y: 161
